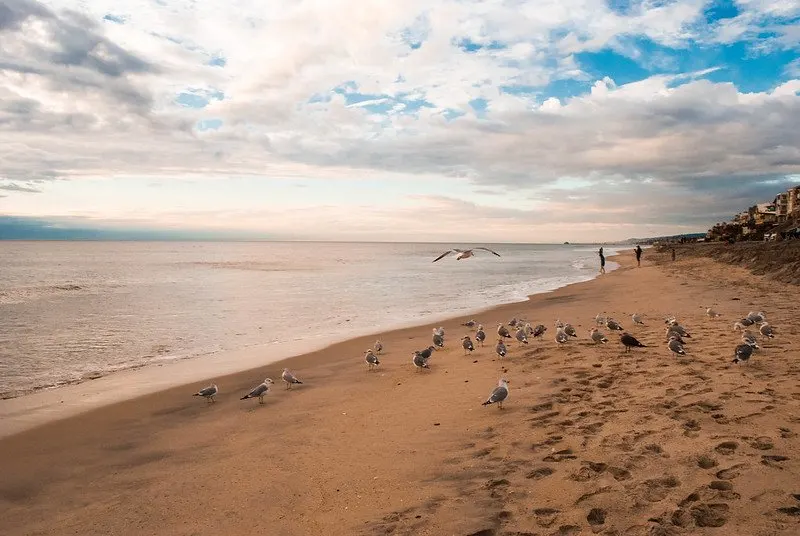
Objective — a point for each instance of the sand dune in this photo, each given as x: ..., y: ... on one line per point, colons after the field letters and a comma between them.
x: 589, y: 441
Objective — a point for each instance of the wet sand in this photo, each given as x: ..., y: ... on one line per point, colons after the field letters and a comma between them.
x: 590, y: 440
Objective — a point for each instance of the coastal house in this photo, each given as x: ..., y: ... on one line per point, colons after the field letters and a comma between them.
x: 781, y: 203
x: 793, y: 200
x: 765, y: 214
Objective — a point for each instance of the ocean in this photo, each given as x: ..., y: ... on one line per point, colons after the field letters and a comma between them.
x: 75, y: 311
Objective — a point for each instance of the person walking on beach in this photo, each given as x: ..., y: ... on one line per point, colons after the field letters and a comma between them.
x: 639, y: 255
x: 602, y: 261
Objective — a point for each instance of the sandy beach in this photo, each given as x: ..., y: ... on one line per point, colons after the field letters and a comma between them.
x: 590, y: 441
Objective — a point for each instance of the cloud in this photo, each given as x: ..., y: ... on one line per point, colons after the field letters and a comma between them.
x: 11, y: 187
x: 441, y: 88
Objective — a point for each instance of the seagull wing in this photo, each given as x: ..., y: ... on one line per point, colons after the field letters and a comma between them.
x: 490, y: 251
x: 445, y: 254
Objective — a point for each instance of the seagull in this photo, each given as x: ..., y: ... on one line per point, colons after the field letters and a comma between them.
x: 528, y: 329
x: 680, y: 330
x: 426, y: 353
x: 289, y: 378
x: 712, y: 313
x: 597, y: 336
x: 750, y: 339
x: 600, y: 320
x: 470, y: 324
x: 371, y: 359
x: 208, y: 392
x: 539, y: 330
x: 676, y: 346
x: 466, y: 343
x: 569, y: 330
x: 742, y: 353
x: 439, y: 331
x: 629, y: 341
x: 420, y: 361
x: 561, y: 336
x: 613, y: 325
x: 766, y: 330
x: 502, y: 331
x: 500, y: 348
x: 499, y: 394
x: 480, y: 335
x: 559, y: 324
x: 259, y: 391
x: 757, y: 318
x: 674, y: 335
x: 464, y: 253
x: 438, y: 340
x: 637, y: 318
x: 378, y: 346
x: 521, y: 337
x: 669, y: 320
x: 743, y: 323
x: 513, y: 322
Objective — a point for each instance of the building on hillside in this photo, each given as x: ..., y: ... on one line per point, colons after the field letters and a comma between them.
x: 793, y: 200
x: 765, y: 214
x: 781, y: 203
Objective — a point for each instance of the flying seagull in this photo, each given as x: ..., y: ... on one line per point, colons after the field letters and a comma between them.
x: 371, y: 359
x: 499, y: 394
x: 289, y: 378
x: 464, y: 253
x: 259, y: 391
x: 208, y: 392
x: 629, y: 341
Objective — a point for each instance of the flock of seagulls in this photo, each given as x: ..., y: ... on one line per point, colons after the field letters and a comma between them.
x: 676, y: 336
x: 259, y: 391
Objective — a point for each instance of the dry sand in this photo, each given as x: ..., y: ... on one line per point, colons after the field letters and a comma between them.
x: 590, y: 441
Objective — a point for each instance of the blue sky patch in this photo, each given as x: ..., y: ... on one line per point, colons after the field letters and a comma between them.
x: 209, y: 124
x: 114, y: 18
x: 198, y: 98
x: 468, y: 45
x: 218, y: 61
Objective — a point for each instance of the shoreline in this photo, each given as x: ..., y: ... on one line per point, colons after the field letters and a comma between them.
x: 51, y: 404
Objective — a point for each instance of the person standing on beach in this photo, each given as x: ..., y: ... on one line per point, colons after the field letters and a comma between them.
x: 602, y: 261
x: 638, y: 255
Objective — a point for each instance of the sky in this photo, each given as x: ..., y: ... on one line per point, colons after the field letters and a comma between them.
x: 434, y: 120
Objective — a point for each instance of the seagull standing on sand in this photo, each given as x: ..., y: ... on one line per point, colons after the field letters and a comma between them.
x: 500, y: 348
x: 680, y: 330
x: 513, y: 322
x: 613, y: 325
x: 470, y: 324
x: 711, y: 313
x: 521, y: 337
x: 561, y: 336
x: 742, y: 353
x: 539, y: 330
x: 289, y: 378
x: 569, y: 330
x: 629, y: 341
x: 766, y: 330
x: 757, y: 318
x: 675, y: 346
x: 743, y: 323
x: 438, y: 340
x: 637, y: 318
x: 528, y: 329
x: 371, y: 359
x: 750, y: 339
x: 378, y: 346
x: 426, y: 353
x: 259, y: 391
x: 464, y: 253
x: 502, y: 331
x: 499, y: 394
x: 597, y: 336
x: 466, y: 343
x: 480, y: 335
x: 208, y: 392
x: 600, y: 320
x: 420, y: 361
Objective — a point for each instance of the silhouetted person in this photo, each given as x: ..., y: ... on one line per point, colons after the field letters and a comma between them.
x: 673, y: 254
x: 602, y: 261
x: 639, y: 256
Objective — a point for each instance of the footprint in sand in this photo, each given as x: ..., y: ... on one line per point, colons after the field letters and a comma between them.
x: 545, y: 517
x: 706, y: 462
x: 657, y: 489
x: 727, y: 447
x: 540, y: 473
x: 731, y: 472
x: 762, y: 443
x: 774, y: 460
x: 596, y: 517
